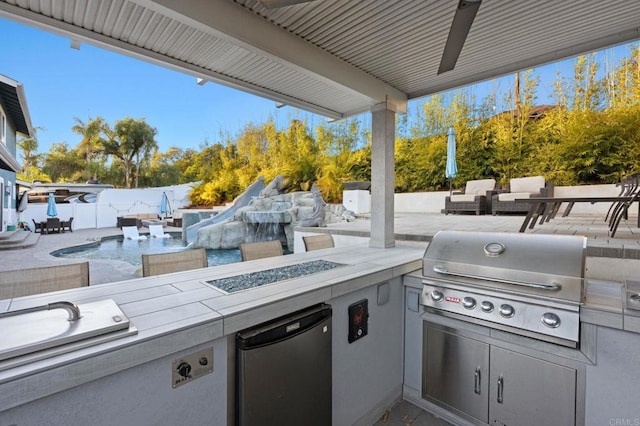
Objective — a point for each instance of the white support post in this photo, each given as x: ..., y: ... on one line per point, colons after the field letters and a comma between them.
x: 383, y: 129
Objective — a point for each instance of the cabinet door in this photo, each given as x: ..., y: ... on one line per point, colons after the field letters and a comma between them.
x: 457, y: 372
x: 528, y: 391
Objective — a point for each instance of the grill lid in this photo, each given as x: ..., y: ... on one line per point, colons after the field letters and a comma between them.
x: 543, y: 265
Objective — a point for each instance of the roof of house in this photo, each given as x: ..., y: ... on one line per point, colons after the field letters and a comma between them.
x: 14, y: 103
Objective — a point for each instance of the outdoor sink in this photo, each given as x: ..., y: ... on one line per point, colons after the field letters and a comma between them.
x: 37, y: 333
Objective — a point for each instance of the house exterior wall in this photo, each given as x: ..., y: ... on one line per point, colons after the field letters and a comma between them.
x: 8, y: 179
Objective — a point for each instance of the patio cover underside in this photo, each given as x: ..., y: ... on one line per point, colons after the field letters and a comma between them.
x: 336, y: 57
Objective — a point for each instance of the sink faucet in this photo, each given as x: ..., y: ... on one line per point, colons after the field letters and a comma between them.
x: 71, y: 308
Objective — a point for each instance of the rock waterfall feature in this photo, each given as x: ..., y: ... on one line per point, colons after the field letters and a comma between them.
x: 272, y: 214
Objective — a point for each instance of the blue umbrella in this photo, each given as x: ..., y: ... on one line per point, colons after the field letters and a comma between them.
x: 452, y: 168
x: 51, y: 206
x: 165, y: 207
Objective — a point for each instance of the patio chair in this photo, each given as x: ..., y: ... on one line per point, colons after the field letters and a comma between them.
x: 66, y: 224
x: 25, y: 282
x: 260, y: 250
x: 520, y: 188
x: 38, y: 226
x: 156, y: 231
x: 317, y: 242
x: 166, y: 263
x: 475, y: 197
x: 52, y: 225
x: 131, y: 233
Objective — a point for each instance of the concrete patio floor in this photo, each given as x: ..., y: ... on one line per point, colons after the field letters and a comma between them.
x: 408, y: 226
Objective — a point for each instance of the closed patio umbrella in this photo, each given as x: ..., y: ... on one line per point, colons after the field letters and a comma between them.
x: 51, y: 206
x: 24, y: 202
x: 452, y: 168
x: 165, y: 207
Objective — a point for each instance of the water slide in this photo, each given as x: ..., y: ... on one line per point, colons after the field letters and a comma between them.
x: 240, y: 201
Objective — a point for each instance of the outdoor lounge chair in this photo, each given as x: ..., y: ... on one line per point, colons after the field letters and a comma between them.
x: 131, y: 233
x: 520, y: 188
x: 156, y: 231
x: 260, y: 250
x: 317, y: 242
x: 166, y: 263
x: 477, y: 194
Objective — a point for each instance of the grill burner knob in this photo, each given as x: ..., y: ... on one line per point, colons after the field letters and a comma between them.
x: 486, y: 306
x: 551, y: 320
x: 437, y: 296
x: 469, y: 302
x: 507, y: 311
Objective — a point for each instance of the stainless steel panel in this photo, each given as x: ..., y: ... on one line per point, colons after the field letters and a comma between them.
x: 530, y: 392
x: 39, y: 331
x: 457, y: 372
x: 527, y: 315
x: 632, y: 298
x: 550, y: 266
x: 191, y: 367
x: 552, y: 254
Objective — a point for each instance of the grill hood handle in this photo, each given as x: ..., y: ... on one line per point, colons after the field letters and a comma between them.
x: 548, y: 287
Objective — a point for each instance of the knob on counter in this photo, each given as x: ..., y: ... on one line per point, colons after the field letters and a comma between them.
x: 437, y: 296
x: 486, y: 306
x: 184, y: 369
x: 507, y: 311
x: 551, y: 320
x: 469, y: 302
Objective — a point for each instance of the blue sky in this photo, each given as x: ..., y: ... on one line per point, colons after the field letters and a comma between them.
x: 62, y: 83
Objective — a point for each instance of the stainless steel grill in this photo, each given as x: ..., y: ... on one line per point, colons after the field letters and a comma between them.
x: 528, y: 284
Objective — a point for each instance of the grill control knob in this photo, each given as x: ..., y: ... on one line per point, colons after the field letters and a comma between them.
x: 551, y: 320
x: 507, y: 311
x: 469, y: 302
x: 486, y: 306
x: 437, y: 296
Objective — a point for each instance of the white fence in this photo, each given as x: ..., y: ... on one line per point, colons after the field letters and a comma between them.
x: 110, y: 204
x: 433, y: 202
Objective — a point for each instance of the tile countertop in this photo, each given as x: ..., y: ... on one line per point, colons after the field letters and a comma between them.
x: 181, y: 310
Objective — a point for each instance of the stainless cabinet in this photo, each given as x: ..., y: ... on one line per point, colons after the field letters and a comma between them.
x: 457, y: 373
x: 528, y: 391
x: 488, y: 384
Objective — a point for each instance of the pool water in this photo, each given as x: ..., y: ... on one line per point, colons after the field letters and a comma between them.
x: 131, y: 251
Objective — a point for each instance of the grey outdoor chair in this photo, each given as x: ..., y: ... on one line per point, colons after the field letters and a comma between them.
x: 260, y: 250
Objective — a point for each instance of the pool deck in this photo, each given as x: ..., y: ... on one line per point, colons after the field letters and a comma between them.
x: 408, y: 226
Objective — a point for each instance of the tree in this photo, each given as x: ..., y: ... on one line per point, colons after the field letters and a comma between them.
x: 31, y: 159
x: 63, y: 164
x: 126, y: 141
x: 91, y: 143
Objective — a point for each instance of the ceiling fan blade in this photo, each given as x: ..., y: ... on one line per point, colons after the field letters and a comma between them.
x: 462, y: 20
x: 273, y: 4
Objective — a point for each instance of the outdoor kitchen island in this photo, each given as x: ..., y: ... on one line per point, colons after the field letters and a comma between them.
x: 182, y: 322
x: 179, y: 318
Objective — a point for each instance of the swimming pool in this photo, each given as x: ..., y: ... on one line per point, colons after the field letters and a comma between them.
x: 131, y: 251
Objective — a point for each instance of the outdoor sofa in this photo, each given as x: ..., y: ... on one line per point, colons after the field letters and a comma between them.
x: 520, y: 188
x: 474, y: 198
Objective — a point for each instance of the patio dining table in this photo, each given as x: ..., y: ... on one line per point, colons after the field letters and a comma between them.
x: 547, y: 208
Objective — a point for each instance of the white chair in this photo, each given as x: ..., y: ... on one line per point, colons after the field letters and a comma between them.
x: 156, y: 231
x: 131, y: 233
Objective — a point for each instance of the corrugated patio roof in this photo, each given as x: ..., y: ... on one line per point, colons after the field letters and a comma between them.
x: 336, y: 57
